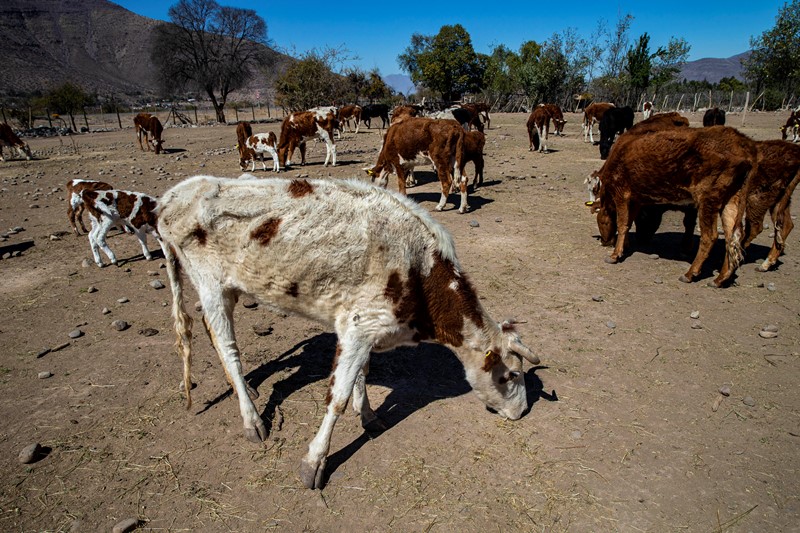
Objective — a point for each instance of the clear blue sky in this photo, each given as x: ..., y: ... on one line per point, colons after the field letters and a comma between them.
x: 377, y: 32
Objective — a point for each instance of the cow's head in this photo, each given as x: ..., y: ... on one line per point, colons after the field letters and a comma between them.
x: 559, y: 124
x: 157, y: 145
x: 379, y: 173
x: 499, y: 381
x: 593, y: 185
x: 26, y: 149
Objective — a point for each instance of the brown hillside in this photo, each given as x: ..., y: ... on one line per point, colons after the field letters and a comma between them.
x: 94, y: 43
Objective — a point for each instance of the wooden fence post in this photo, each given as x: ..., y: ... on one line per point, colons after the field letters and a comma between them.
x: 253, y: 111
x: 119, y: 120
x: 85, y: 119
x: 744, y: 112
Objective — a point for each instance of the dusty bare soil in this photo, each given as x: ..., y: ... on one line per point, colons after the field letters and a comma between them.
x: 622, y: 435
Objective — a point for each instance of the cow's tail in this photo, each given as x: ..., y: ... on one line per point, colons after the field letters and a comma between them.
x: 733, y: 247
x: 183, y: 322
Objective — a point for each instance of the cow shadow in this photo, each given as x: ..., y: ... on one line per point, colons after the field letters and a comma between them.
x: 416, y: 377
x: 453, y: 199
x: 173, y: 150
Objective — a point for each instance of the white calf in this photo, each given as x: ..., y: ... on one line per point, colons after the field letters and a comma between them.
x: 369, y: 263
x: 117, y: 208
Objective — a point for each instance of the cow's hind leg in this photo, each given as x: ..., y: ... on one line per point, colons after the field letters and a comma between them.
x: 369, y: 420
x: 782, y: 222
x: 218, y: 307
x: 707, y: 219
x: 213, y: 338
x: 353, y: 356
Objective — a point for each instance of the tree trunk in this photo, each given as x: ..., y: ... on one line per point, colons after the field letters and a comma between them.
x: 218, y: 107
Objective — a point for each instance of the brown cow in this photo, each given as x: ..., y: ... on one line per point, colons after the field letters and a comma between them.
x: 348, y: 112
x: 146, y: 124
x: 406, y: 110
x: 300, y: 127
x: 406, y: 139
x: 771, y: 190
x: 708, y: 167
x: 474, y: 141
x: 10, y: 139
x: 476, y: 111
x: 593, y: 113
x: 539, y: 121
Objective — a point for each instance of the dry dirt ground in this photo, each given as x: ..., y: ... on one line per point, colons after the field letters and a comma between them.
x: 627, y: 430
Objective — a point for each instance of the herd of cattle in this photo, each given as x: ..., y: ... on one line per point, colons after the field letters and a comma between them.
x: 380, y: 271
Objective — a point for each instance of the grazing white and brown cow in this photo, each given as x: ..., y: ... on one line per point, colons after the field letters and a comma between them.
x: 407, y: 139
x: 539, y: 125
x: 714, y: 117
x: 10, y: 139
x: 259, y: 144
x: 366, y: 262
x: 348, y: 113
x: 792, y: 127
x: 647, y: 110
x: 118, y: 208
x: 405, y: 110
x: 75, y: 212
x: 150, y: 129
x: 300, y: 127
x: 243, y: 131
x: 593, y: 113
x: 707, y: 167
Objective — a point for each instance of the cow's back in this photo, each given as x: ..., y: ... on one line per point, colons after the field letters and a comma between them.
x: 303, y: 245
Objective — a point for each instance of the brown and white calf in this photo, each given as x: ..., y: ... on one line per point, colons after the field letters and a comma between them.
x: 9, y: 139
x: 243, y: 131
x: 348, y: 113
x: 259, y: 144
x: 539, y: 125
x: 474, y: 142
x: 647, y: 110
x: 150, y: 129
x: 300, y: 127
x: 75, y: 211
x: 692, y: 172
x: 792, y: 127
x: 407, y: 139
x: 111, y: 208
x: 593, y: 113
x: 312, y: 248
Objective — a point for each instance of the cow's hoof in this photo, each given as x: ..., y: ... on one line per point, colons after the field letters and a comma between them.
x: 611, y: 260
x: 374, y: 427
x: 251, y: 392
x: 311, y: 475
x: 439, y: 207
x: 685, y: 279
x: 256, y: 434
x: 763, y: 267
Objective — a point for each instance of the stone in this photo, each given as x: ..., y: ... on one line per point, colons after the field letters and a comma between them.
x: 611, y: 324
x: 725, y: 390
x: 29, y: 453
x: 120, y: 325
x: 249, y: 303
x: 695, y: 314
x: 44, y: 375
x: 474, y: 224
x: 124, y: 526
x: 697, y: 325
x: 123, y: 300
x: 749, y: 401
x: 597, y: 298
x: 654, y: 256
x: 86, y: 263
x: 262, y: 331
x: 75, y: 333
x: 156, y: 284
x: 767, y: 334
x: 658, y: 281
x: 771, y: 287
x: 148, y: 332
x: 770, y: 327
x: 91, y: 289
x: 42, y: 353
x: 106, y: 311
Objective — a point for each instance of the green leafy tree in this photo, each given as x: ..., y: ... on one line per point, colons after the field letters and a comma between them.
x: 498, y: 79
x: 376, y: 88
x: 445, y: 63
x: 210, y: 47
x: 67, y: 99
x: 775, y: 58
x: 668, y: 61
x: 639, y: 64
x: 309, y: 82
x: 730, y: 83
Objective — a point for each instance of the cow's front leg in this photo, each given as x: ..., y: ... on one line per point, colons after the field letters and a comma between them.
x: 353, y: 355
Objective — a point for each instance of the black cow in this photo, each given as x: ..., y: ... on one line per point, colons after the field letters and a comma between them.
x: 614, y: 122
x: 371, y: 111
x: 714, y: 117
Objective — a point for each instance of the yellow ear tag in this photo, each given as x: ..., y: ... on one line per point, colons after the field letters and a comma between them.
x: 589, y: 203
x: 488, y: 354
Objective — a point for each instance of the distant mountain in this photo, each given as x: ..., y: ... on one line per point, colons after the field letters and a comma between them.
x: 96, y: 44
x: 400, y: 83
x: 714, y: 69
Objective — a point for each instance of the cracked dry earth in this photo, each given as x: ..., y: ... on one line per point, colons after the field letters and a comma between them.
x: 627, y: 430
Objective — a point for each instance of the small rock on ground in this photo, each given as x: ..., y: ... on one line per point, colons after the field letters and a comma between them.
x: 725, y: 390
x: 156, y: 284
x: 45, y: 374
x: 75, y: 333
x: 749, y: 401
x: 29, y: 453
x: 148, y: 332
x: 123, y: 526
x: 120, y: 325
